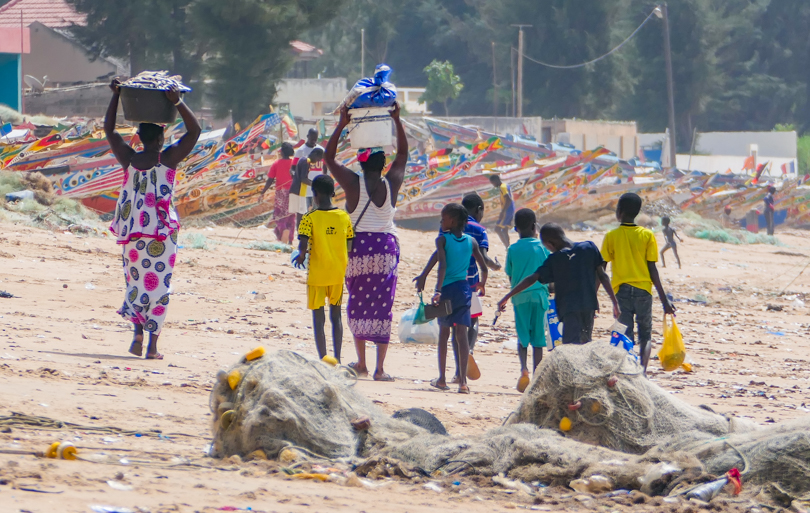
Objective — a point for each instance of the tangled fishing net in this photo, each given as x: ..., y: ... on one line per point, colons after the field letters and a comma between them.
x: 633, y: 415
x: 285, y: 400
x: 46, y: 209
x: 622, y: 429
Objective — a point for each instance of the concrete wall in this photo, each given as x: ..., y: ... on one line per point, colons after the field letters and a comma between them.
x: 62, y: 60
x: 311, y: 97
x: 89, y: 100
x: 500, y: 125
x: 617, y: 136
x: 10, y: 91
x: 722, y: 163
x: 773, y: 144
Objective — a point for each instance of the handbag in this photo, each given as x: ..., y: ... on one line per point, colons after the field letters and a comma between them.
x: 443, y: 309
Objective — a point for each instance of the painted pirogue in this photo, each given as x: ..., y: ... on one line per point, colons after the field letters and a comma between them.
x: 221, y: 180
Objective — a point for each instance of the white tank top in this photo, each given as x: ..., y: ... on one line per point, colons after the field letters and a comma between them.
x: 376, y: 219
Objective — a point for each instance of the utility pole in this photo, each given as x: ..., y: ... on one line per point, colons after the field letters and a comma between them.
x: 520, y: 71
x: 362, y: 53
x: 494, y: 84
x: 22, y: 70
x: 661, y: 12
x: 512, y: 63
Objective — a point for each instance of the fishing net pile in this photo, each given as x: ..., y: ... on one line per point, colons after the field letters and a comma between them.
x: 777, y: 454
x: 602, y: 393
x: 45, y: 209
x: 286, y: 400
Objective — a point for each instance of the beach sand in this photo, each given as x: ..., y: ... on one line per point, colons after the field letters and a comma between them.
x: 63, y: 355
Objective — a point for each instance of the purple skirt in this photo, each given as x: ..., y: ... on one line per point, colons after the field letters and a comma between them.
x: 371, y: 279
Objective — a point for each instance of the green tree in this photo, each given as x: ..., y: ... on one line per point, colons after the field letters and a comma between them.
x: 443, y: 84
x: 249, y: 47
x: 150, y: 34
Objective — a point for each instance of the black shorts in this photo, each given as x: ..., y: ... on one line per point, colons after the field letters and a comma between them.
x: 577, y: 327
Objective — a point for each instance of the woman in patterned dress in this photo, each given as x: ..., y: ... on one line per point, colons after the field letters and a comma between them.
x: 371, y: 276
x: 145, y: 222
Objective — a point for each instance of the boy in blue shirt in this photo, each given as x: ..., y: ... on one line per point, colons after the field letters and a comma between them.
x: 454, y: 249
x: 522, y: 259
x: 475, y: 212
x: 576, y: 270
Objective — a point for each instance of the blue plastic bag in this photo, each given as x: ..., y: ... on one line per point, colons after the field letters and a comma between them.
x: 619, y: 339
x: 373, y: 92
x: 553, y: 324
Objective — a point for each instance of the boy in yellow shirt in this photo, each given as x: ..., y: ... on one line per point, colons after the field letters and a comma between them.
x: 326, y: 232
x: 632, y: 253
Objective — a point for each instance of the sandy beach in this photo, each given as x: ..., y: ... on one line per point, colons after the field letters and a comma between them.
x: 742, y: 310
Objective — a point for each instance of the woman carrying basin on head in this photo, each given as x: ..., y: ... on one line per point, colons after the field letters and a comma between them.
x: 145, y: 221
x: 371, y: 276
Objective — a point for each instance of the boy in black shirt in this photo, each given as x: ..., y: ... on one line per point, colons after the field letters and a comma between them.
x: 576, y: 270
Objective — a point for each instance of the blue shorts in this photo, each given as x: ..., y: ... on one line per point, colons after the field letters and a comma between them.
x: 460, y: 295
x: 506, y: 217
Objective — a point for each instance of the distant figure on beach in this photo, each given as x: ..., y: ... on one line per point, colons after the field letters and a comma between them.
x: 669, y: 236
x: 301, y: 183
x: 280, y: 174
x: 371, y: 276
x: 316, y: 167
x: 145, y: 221
x: 769, y: 209
x: 507, y: 209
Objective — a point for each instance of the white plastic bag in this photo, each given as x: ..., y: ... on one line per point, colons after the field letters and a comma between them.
x: 411, y: 333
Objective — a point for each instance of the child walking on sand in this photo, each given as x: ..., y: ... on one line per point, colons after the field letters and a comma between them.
x: 507, y: 209
x: 475, y: 210
x: 632, y: 253
x: 454, y: 249
x: 669, y: 237
x: 326, y: 232
x: 523, y: 258
x: 575, y: 269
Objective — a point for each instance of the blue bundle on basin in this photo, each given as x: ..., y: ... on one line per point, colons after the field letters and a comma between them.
x: 373, y: 92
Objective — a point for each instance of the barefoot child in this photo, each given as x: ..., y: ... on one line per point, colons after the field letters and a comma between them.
x: 632, y: 253
x: 454, y: 249
x: 326, y: 232
x: 507, y: 209
x: 523, y: 258
x: 475, y: 209
x: 669, y: 236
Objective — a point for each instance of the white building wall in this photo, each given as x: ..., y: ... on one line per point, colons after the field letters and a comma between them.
x: 311, y: 97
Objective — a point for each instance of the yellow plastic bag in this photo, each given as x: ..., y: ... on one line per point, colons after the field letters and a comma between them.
x: 673, y: 351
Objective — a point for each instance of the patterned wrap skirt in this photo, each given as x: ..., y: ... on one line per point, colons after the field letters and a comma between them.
x: 281, y: 213
x: 371, y: 280
x: 148, y: 266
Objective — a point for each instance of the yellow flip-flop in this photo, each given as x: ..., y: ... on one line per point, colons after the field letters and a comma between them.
x: 523, y: 383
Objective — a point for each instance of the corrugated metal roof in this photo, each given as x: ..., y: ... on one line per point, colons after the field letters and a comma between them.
x: 302, y: 47
x: 51, y: 13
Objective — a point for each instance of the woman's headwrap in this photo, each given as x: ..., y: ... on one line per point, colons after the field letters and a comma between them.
x: 364, y: 154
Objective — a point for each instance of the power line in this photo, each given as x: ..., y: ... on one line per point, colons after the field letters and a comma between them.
x: 582, y: 65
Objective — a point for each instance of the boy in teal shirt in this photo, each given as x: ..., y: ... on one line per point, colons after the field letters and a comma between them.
x: 522, y: 259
